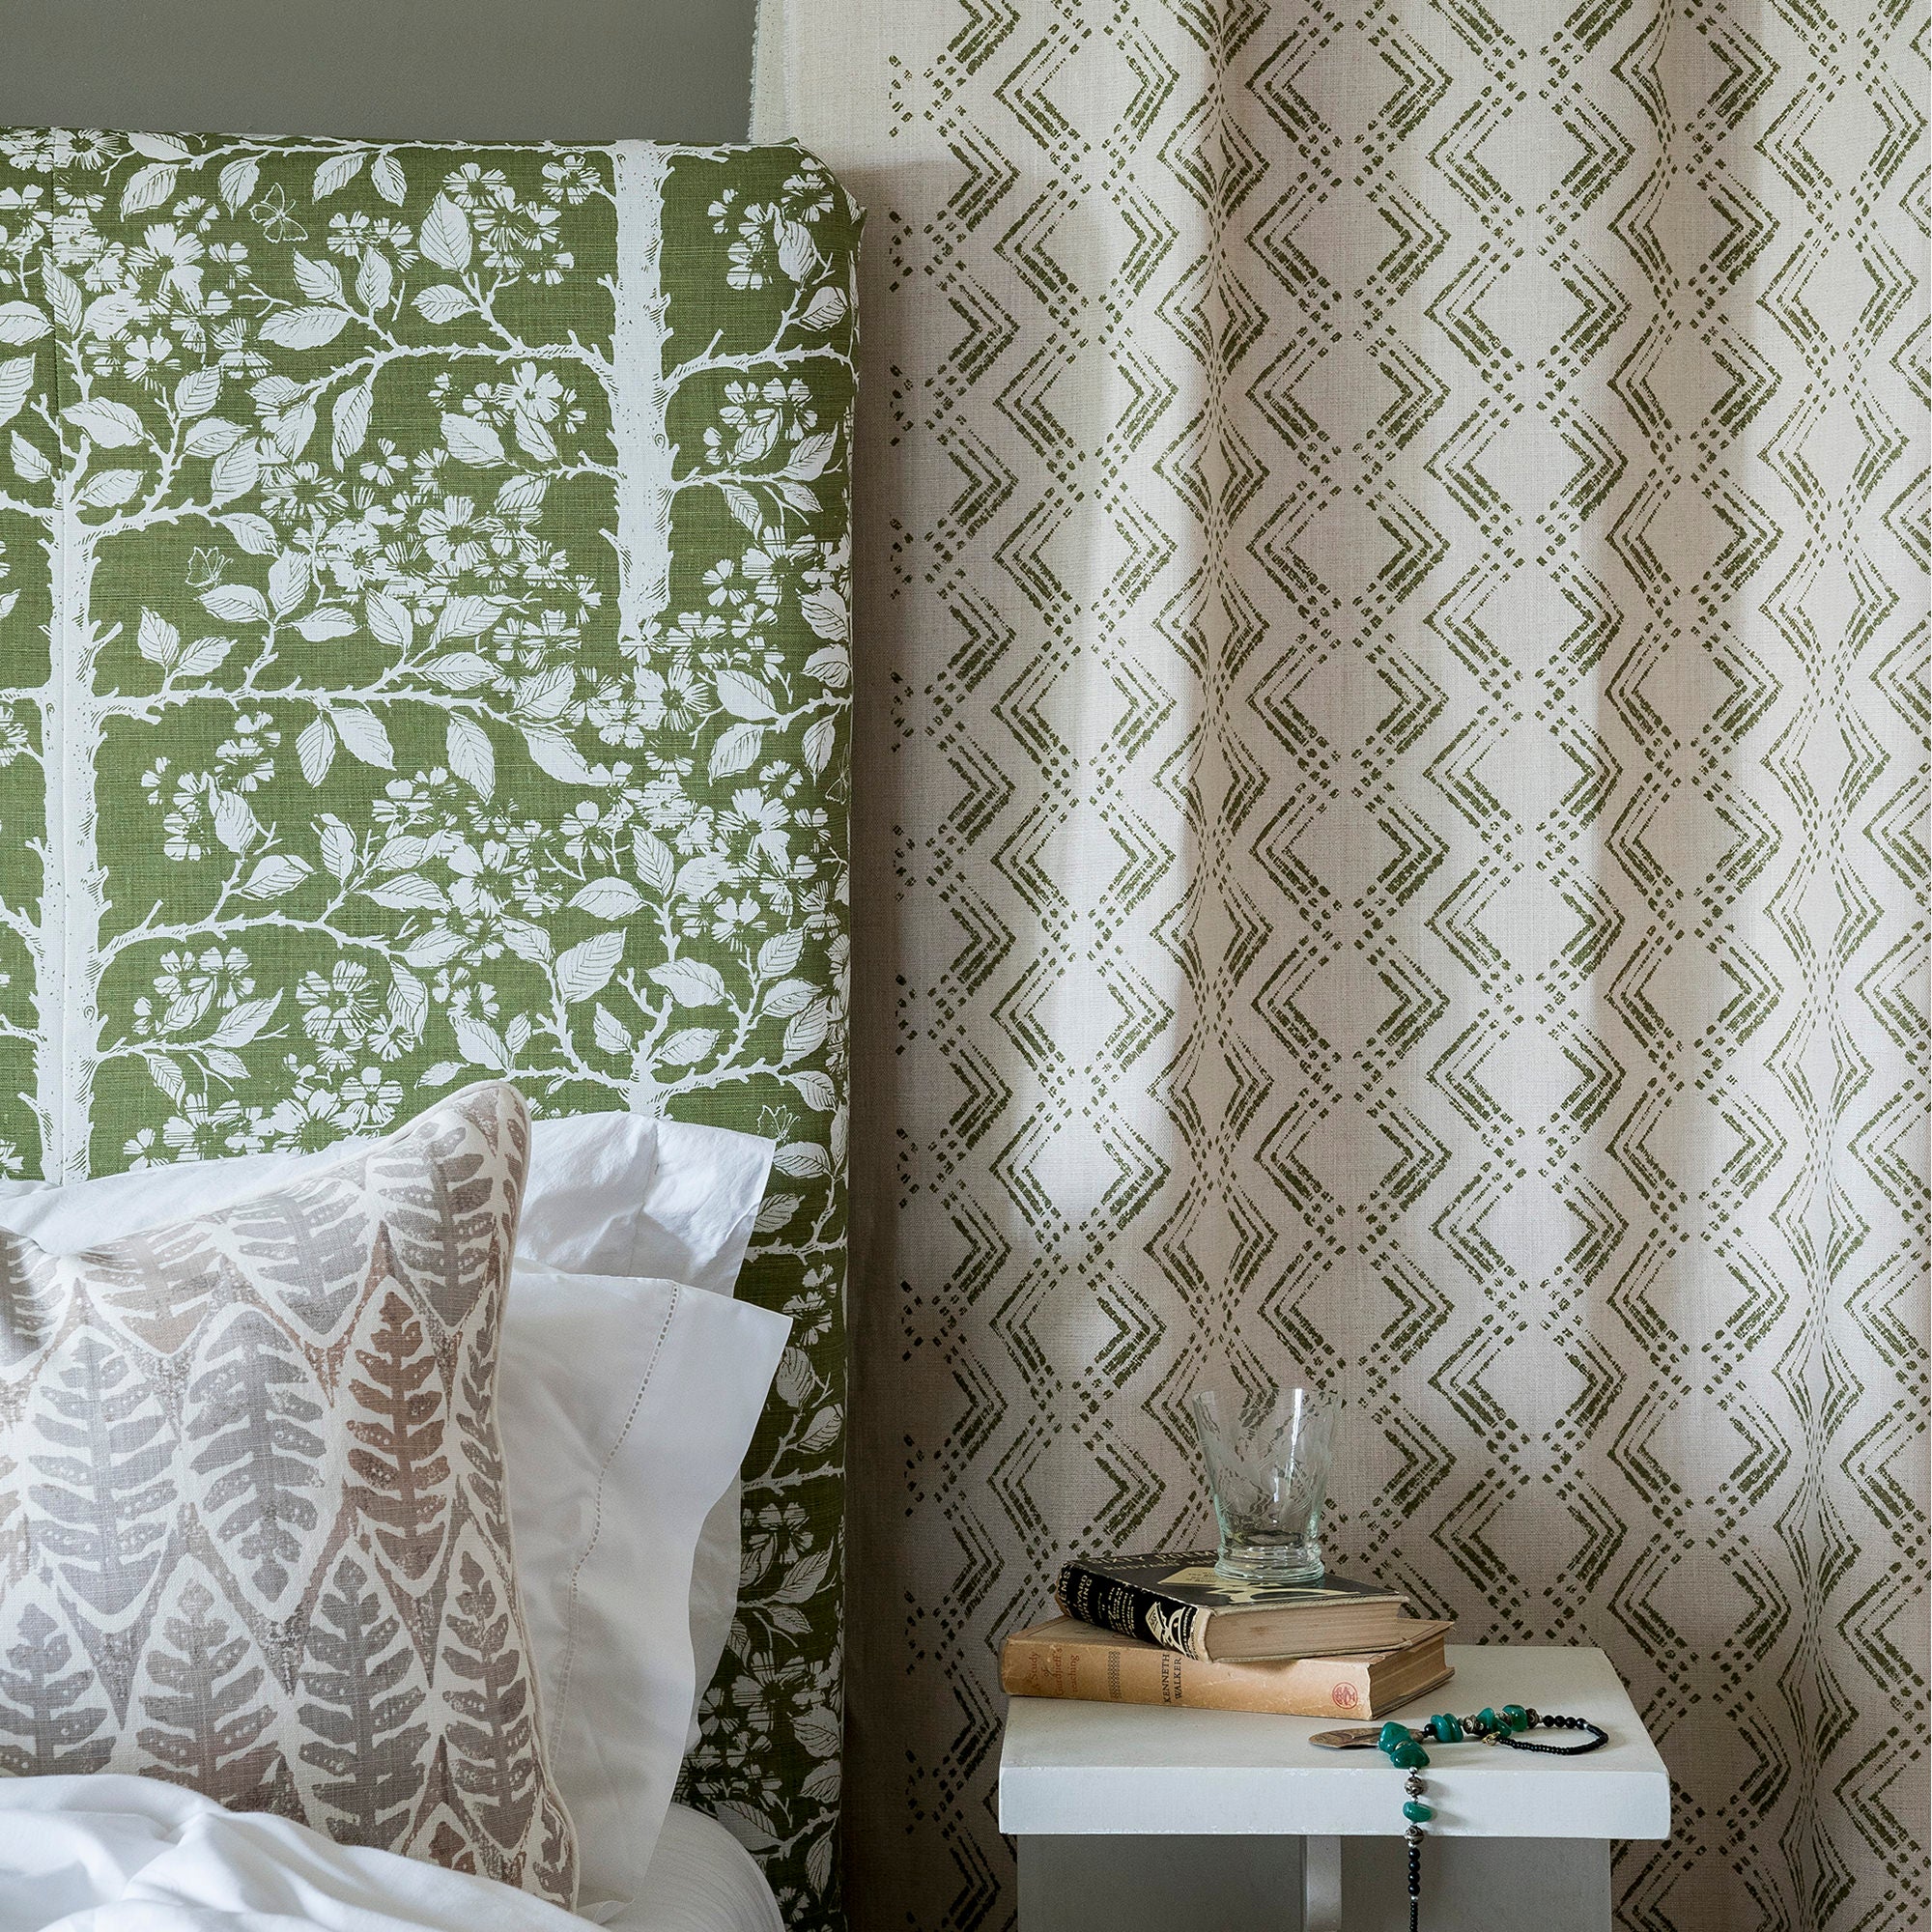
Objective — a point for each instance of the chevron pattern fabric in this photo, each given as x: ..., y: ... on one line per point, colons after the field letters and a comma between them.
x: 1391, y: 560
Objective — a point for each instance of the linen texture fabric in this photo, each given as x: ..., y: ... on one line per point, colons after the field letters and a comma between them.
x: 625, y: 1405
x: 607, y: 1194
x: 1392, y: 550
x: 254, y: 1524
x: 79, y: 1854
x: 424, y: 654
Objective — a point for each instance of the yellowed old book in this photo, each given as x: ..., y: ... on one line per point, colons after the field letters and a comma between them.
x: 1066, y: 1658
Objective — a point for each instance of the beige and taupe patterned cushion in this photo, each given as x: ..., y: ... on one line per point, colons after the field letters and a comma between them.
x: 253, y: 1536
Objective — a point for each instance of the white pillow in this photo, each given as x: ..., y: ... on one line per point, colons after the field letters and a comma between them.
x: 627, y: 1406
x: 716, y: 1571
x: 608, y: 1194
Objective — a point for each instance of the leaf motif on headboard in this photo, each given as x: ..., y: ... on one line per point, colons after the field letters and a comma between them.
x: 424, y: 592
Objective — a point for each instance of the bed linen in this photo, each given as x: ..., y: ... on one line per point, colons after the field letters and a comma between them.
x: 626, y: 1404
x: 701, y: 1880
x: 617, y: 1517
x: 117, y: 1852
x: 607, y: 1194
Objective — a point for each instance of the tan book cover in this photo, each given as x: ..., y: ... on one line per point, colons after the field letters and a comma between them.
x: 1066, y: 1657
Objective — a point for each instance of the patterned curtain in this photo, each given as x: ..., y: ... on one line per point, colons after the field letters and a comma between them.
x: 1391, y: 783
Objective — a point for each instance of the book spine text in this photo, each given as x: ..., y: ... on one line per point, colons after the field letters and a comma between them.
x: 1109, y: 1603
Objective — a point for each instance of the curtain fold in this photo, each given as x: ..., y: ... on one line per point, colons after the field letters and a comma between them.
x: 1389, y: 845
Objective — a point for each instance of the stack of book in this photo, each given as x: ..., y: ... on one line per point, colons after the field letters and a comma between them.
x: 1170, y: 1630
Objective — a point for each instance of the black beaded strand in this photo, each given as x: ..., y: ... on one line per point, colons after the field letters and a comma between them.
x: 1412, y: 1786
x: 1405, y: 1751
x: 1597, y: 1735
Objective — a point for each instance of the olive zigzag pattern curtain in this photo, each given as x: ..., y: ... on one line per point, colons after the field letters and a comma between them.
x: 1391, y: 760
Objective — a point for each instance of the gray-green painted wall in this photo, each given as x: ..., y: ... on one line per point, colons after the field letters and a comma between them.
x: 427, y: 70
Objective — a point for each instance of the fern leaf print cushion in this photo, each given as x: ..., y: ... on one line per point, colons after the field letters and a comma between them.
x: 253, y: 1530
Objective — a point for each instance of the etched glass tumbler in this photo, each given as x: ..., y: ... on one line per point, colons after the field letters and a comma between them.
x: 1268, y: 1457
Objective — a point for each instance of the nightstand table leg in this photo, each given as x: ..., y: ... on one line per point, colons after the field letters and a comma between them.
x: 1127, y: 1883
x: 1159, y: 1884
x: 1321, y: 1885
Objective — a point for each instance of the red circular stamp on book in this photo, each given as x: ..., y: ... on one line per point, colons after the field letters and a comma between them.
x: 1346, y: 1696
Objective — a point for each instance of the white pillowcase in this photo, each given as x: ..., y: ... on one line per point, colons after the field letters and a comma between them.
x: 607, y: 1194
x: 620, y: 1208
x: 716, y: 1569
x: 627, y: 1406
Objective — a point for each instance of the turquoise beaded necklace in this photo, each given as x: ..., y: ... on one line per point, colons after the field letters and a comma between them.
x: 1403, y: 1748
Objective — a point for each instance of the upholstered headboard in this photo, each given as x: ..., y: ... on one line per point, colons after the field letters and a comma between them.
x: 423, y: 633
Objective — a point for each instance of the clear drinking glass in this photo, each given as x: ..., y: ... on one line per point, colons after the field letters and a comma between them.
x: 1268, y: 1457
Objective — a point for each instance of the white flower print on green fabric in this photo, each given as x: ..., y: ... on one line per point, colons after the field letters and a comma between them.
x: 424, y: 588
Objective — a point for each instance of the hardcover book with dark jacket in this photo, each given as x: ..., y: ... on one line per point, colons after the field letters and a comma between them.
x: 1180, y: 1601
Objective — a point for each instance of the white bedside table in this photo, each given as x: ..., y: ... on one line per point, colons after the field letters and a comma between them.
x: 1205, y: 1821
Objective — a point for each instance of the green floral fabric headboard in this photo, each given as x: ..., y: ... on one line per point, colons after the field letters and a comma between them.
x: 424, y: 651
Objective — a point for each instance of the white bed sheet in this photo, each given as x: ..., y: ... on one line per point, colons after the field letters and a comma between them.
x: 701, y: 1880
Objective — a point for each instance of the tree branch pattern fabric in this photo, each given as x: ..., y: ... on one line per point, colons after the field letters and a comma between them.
x: 424, y: 653
x: 207, y: 1573
x: 1394, y: 749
